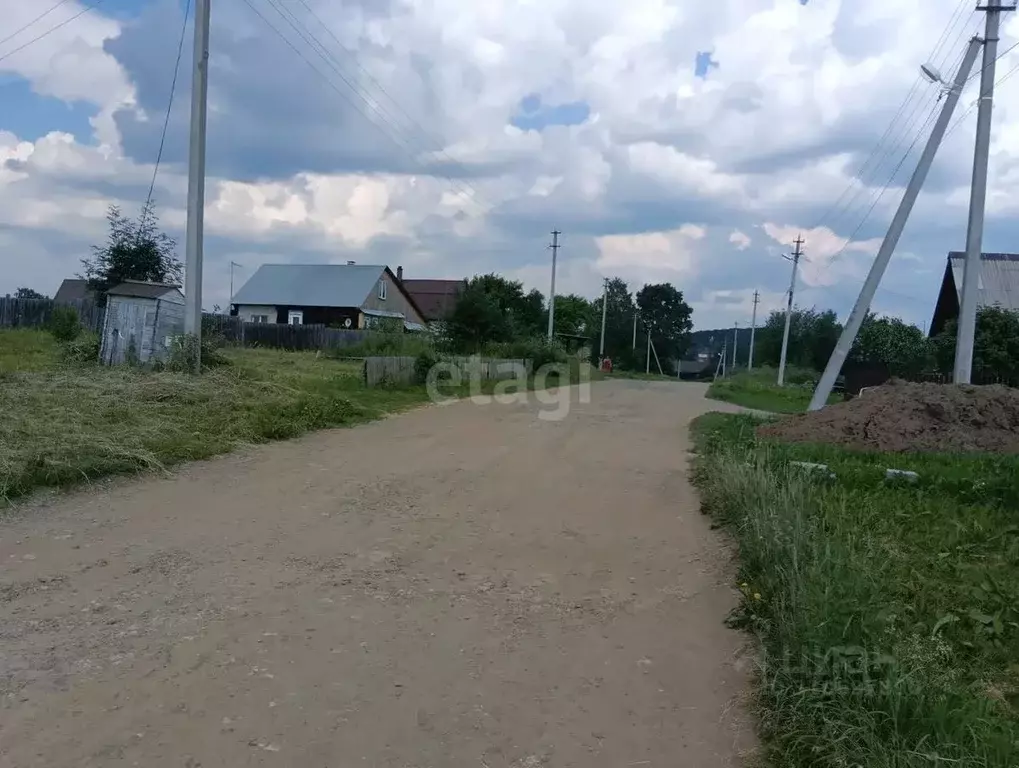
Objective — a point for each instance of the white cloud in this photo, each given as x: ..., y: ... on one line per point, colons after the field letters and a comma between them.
x: 740, y: 239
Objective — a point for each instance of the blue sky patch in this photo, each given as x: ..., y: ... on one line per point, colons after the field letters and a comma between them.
x: 533, y: 115
x: 704, y: 64
x: 30, y: 116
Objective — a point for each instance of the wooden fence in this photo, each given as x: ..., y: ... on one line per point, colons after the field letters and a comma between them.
x: 401, y: 370
x: 36, y: 313
x: 290, y: 337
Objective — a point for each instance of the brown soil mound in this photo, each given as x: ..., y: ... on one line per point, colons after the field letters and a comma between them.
x: 901, y: 417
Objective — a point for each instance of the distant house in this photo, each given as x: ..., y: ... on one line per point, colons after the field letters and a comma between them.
x: 435, y: 297
x: 73, y: 289
x: 141, y: 318
x: 337, y: 295
x: 997, y: 285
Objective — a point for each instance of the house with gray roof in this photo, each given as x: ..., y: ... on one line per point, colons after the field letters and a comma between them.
x: 997, y: 285
x: 336, y: 295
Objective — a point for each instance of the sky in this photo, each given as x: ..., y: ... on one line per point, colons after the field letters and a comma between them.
x: 667, y: 141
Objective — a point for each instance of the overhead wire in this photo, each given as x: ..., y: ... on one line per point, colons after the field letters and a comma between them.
x: 53, y: 29
x: 169, y: 105
x: 40, y: 17
x: 393, y: 135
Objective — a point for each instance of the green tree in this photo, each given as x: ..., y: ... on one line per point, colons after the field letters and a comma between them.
x: 476, y: 319
x: 812, y: 337
x: 576, y: 315
x: 524, y: 312
x: 995, y: 347
x: 134, y: 250
x: 888, y: 340
x: 28, y: 293
x: 618, y: 326
x: 667, y: 315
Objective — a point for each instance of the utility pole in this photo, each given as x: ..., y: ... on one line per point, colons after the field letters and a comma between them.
x: 735, y: 343
x: 795, y: 258
x: 232, y: 265
x: 634, y: 330
x: 551, y: 293
x: 604, y: 314
x: 196, y: 180
x: 884, y: 254
x: 753, y: 328
x: 647, y: 368
x: 977, y: 200
x: 725, y: 352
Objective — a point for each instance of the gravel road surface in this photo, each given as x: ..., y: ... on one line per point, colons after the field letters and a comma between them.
x: 465, y: 586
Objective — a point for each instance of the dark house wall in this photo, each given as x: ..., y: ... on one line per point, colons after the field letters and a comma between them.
x: 332, y: 316
x: 947, y: 307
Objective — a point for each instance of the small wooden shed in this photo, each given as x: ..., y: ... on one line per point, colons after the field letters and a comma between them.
x: 141, y: 319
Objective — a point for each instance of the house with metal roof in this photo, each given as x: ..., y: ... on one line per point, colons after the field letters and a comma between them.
x: 997, y: 285
x: 355, y: 296
x: 437, y: 298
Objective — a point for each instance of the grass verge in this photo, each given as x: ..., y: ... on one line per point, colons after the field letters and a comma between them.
x: 65, y: 424
x: 757, y: 389
x: 886, y: 612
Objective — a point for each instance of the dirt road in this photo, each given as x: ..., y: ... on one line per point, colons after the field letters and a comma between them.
x: 463, y: 586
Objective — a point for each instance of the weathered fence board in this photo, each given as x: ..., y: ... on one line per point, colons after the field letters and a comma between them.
x: 401, y: 370
x: 36, y: 313
x: 280, y: 336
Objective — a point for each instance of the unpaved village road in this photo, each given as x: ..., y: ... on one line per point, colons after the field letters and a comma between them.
x: 458, y: 587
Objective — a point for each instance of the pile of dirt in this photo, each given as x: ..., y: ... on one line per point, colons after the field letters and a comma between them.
x: 901, y: 417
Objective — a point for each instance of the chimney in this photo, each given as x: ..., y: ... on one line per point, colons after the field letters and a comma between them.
x: 399, y: 273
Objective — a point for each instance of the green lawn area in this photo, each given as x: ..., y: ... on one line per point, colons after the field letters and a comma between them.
x: 66, y: 424
x: 757, y: 389
x: 887, y: 612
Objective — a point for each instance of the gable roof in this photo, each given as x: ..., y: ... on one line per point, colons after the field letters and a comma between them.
x: 310, y: 285
x: 436, y: 298
x: 73, y: 289
x: 143, y: 290
x: 999, y: 278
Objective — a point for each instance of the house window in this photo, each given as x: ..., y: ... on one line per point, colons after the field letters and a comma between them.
x: 260, y: 318
x: 382, y: 289
x: 295, y: 317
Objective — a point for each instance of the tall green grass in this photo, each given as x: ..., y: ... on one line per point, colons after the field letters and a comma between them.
x: 758, y: 389
x: 887, y: 613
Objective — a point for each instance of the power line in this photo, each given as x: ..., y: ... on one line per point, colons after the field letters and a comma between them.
x: 40, y: 17
x: 169, y: 105
x: 52, y: 29
x: 400, y: 141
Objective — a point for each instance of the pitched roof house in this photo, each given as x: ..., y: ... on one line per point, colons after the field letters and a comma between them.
x: 338, y: 295
x: 73, y: 289
x: 435, y: 297
x: 997, y: 285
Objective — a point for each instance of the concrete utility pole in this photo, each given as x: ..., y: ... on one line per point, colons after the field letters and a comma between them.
x: 735, y: 343
x: 978, y: 197
x: 753, y: 329
x: 647, y: 368
x: 604, y: 313
x: 232, y: 265
x: 196, y: 180
x: 884, y: 254
x: 551, y: 293
x: 634, y: 330
x: 795, y: 258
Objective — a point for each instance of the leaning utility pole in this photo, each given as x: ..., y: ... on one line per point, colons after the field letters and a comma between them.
x: 604, y: 314
x: 884, y: 254
x: 978, y: 197
x: 753, y: 328
x: 551, y: 293
x: 196, y: 181
x: 795, y: 258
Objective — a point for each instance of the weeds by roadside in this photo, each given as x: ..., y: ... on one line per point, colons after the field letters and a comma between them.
x: 886, y: 612
x: 757, y: 389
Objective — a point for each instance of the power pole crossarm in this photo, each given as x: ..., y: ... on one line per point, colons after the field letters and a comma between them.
x: 884, y: 254
x: 196, y: 179
x: 551, y: 293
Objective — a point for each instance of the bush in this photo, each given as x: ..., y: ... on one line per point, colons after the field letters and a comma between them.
x: 424, y: 362
x: 64, y: 323
x: 83, y: 350
x: 540, y: 351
